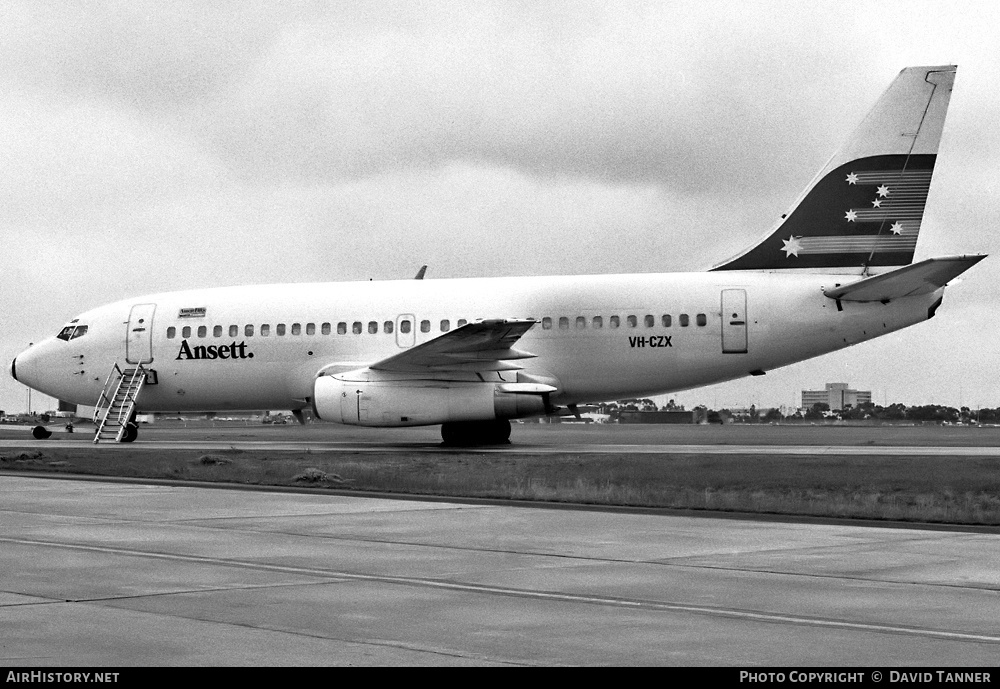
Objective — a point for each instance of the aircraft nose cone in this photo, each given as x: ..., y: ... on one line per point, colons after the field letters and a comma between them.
x: 24, y: 367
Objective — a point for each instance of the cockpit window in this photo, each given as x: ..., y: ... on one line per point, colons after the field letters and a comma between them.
x: 71, y: 332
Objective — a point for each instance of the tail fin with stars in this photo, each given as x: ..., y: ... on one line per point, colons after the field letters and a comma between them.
x: 862, y: 212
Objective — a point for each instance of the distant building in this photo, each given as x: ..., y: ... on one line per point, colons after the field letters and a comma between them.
x: 837, y: 395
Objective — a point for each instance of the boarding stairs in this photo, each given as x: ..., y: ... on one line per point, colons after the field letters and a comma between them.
x: 116, y: 405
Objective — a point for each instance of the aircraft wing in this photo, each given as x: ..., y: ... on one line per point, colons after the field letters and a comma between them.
x: 919, y: 278
x: 480, y: 346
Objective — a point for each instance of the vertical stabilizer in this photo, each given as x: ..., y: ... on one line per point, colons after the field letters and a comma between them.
x: 864, y: 209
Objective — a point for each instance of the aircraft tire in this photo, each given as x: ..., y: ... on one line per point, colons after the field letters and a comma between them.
x: 473, y: 433
x: 40, y: 433
x: 131, y: 432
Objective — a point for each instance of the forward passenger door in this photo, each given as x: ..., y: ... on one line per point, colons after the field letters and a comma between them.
x: 139, y: 334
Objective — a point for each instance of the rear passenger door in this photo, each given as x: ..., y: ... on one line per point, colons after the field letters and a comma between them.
x: 734, y: 321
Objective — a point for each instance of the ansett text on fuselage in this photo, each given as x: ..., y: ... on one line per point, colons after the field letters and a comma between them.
x: 229, y: 351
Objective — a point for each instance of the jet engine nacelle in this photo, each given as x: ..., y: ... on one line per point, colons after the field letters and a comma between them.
x: 350, y: 399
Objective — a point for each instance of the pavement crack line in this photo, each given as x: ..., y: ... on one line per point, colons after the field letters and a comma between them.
x: 385, y: 643
x: 159, y: 594
x: 547, y: 596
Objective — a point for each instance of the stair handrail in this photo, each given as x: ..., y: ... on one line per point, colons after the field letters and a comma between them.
x: 104, y: 397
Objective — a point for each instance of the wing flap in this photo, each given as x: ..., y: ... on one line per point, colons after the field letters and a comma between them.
x: 918, y: 278
x: 480, y: 346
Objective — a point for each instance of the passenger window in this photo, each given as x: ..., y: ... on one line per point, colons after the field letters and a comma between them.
x: 425, y: 326
x: 310, y: 328
x: 217, y: 331
x: 171, y: 332
x: 356, y: 328
x: 598, y: 322
x: 666, y: 321
x: 202, y: 331
x: 234, y: 330
x: 563, y: 323
x: 684, y: 320
x: 186, y: 331
x: 265, y: 330
x: 248, y: 331
x: 701, y: 319
x: 614, y: 321
x: 279, y: 330
x: 649, y: 321
x: 404, y: 326
x: 387, y: 327
x: 632, y: 321
x: 547, y: 323
x: 341, y: 328
x: 326, y: 329
x: 461, y: 322
x: 581, y: 321
x: 445, y: 326
x: 372, y: 327
x: 296, y: 329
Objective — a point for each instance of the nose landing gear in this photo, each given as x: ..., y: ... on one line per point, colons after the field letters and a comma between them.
x: 131, y: 432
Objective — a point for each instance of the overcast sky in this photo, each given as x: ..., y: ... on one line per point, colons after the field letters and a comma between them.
x: 221, y: 143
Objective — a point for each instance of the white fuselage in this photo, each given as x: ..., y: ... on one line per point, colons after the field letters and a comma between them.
x: 597, y: 337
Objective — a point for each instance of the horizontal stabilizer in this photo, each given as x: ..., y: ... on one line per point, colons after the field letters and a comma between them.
x: 919, y: 278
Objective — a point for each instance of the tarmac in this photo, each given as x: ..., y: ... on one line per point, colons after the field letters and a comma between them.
x: 101, y: 574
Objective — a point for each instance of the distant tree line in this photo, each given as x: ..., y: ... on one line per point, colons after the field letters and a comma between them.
x: 935, y: 413
x: 900, y: 412
x: 613, y: 408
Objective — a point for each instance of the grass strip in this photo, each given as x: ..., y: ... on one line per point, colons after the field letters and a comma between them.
x: 954, y: 490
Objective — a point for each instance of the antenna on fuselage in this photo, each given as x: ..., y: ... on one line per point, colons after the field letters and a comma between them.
x: 420, y: 273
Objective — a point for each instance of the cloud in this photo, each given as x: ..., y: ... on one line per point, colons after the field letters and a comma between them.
x: 65, y: 155
x: 645, y: 98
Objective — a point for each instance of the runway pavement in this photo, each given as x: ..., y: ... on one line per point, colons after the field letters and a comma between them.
x: 545, y: 439
x: 118, y: 574
x: 527, y: 449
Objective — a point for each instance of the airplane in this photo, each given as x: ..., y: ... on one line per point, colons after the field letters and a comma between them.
x: 472, y: 354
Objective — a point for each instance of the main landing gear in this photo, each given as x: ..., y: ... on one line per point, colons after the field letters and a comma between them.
x: 472, y: 433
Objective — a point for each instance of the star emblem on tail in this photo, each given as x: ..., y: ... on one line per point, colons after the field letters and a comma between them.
x: 792, y: 246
